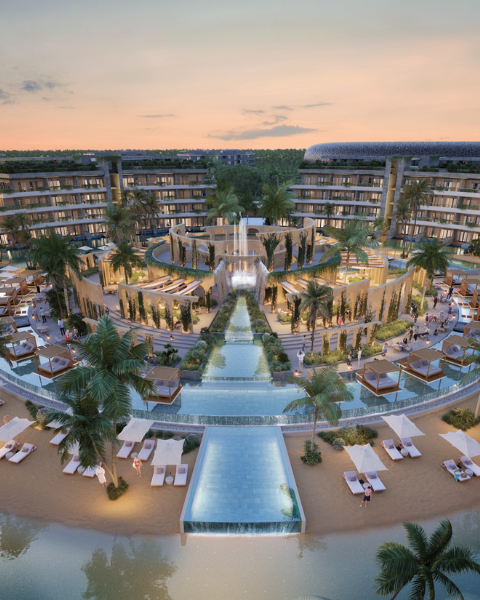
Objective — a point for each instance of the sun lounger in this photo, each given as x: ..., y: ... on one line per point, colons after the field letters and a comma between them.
x: 148, y: 446
x: 450, y: 466
x: 352, y: 482
x: 390, y: 449
x: 9, y: 447
x: 89, y: 472
x: 454, y: 352
x: 24, y: 452
x: 374, y: 481
x: 421, y: 366
x: 469, y: 464
x: 72, y: 465
x: 181, y: 475
x: 409, y: 447
x: 125, y: 450
x: 58, y: 438
x: 383, y: 382
x: 158, y: 475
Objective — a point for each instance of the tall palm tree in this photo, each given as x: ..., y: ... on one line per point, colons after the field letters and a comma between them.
x: 11, y: 228
x: 249, y: 204
x: 432, y: 255
x: 316, y: 300
x: 119, y: 222
x: 404, y: 214
x: 424, y: 563
x: 355, y: 236
x: 24, y: 234
x: 329, y: 209
x: 55, y: 255
x: 324, y: 392
x: 112, y: 369
x: 277, y: 201
x: 152, y: 209
x: 135, y: 198
x: 224, y: 204
x: 125, y: 258
x: 416, y: 193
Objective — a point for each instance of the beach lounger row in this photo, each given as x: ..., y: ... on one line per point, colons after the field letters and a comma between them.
x: 73, y: 465
x: 144, y: 454
x: 158, y: 478
x: 24, y: 452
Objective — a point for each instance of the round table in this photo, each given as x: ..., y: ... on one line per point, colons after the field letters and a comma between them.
x: 404, y: 452
x: 81, y: 470
x: 169, y: 480
x: 9, y: 455
x: 469, y: 472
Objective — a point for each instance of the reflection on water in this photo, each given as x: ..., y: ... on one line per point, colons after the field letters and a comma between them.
x: 16, y: 536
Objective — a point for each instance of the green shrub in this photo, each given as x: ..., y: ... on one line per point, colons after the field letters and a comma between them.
x: 338, y: 443
x: 431, y: 292
x: 356, y: 434
x: 461, y: 418
x: 311, y: 457
x: 75, y: 320
x: 421, y: 310
x: 191, y: 442
x: 276, y: 355
x: 397, y: 271
x: 32, y: 409
x: 168, y: 435
x: 115, y: 493
x: 336, y: 356
x: 283, y: 318
x: 392, y: 329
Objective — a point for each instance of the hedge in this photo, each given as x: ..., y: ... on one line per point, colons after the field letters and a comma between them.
x: 393, y: 329
x: 174, y: 269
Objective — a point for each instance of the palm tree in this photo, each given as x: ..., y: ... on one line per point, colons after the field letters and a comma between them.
x: 431, y: 255
x: 379, y: 224
x: 119, y: 222
x: 416, y: 193
x: 125, y: 258
x: 324, y: 392
x: 249, y: 204
x: 276, y: 202
x: 424, y: 563
x: 355, y: 236
x: 404, y: 214
x: 54, y: 255
x: 11, y: 228
x: 24, y: 235
x: 316, y: 300
x: 329, y: 209
x: 152, y: 209
x: 225, y: 204
x: 112, y: 370
x: 135, y: 198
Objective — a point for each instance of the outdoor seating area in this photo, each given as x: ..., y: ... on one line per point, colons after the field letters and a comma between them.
x: 6, y: 307
x: 468, y: 288
x: 10, y: 292
x: 455, y: 349
x: 472, y: 329
x: 58, y: 360
x: 420, y: 364
x: 8, y: 325
x: 21, y: 345
x: 375, y: 378
x: 167, y: 383
x: 453, y: 277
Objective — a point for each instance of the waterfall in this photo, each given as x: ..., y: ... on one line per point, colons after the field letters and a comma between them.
x: 243, y: 276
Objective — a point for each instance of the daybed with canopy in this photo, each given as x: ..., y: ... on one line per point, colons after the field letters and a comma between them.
x: 374, y: 377
x: 167, y: 382
x: 455, y: 348
x: 59, y: 360
x: 21, y: 345
x: 420, y: 364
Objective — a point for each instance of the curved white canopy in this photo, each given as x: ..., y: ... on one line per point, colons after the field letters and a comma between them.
x: 168, y: 452
x: 402, y: 426
x: 462, y: 442
x: 365, y: 459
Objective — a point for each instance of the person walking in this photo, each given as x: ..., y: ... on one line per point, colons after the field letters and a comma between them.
x: 385, y: 349
x: 75, y: 334
x: 426, y: 318
x: 350, y: 358
x: 359, y: 355
x: 340, y: 320
x: 367, y: 496
x: 450, y: 292
x: 415, y: 336
x: 100, y: 473
x: 410, y: 334
x: 442, y: 315
x: 304, y: 342
x: 38, y: 289
x: 300, y: 356
x: 415, y: 317
x: 435, y: 301
x: 42, y: 314
x: 137, y: 464
x: 34, y: 314
x: 107, y: 310
x: 5, y: 419
x: 61, y: 326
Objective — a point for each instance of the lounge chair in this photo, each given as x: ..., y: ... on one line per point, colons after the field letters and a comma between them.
x: 383, y: 382
x: 469, y: 464
x: 450, y: 466
x: 390, y: 449
x: 24, y: 452
x: 454, y: 352
x: 352, y: 482
x: 181, y: 475
x: 89, y: 472
x: 374, y: 481
x: 58, y: 438
x: 158, y: 475
x: 421, y: 366
x: 72, y: 465
x: 163, y: 389
x: 409, y: 447
x: 147, y: 449
x: 24, y: 348
x: 9, y: 447
x: 125, y: 450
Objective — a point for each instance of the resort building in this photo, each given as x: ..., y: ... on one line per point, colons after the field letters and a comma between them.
x: 368, y: 179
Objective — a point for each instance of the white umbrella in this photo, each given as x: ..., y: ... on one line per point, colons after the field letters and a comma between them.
x: 402, y: 426
x: 462, y: 442
x: 168, y: 452
x: 13, y: 428
x: 135, y: 430
x: 56, y: 424
x: 365, y: 458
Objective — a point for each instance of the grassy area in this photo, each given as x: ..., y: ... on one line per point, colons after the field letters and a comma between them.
x: 385, y: 332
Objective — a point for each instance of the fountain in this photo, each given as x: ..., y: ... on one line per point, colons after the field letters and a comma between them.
x: 243, y: 276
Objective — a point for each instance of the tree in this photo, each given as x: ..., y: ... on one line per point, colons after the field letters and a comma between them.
x: 404, y: 214
x: 474, y: 247
x: 54, y: 255
x: 379, y: 224
x: 152, y: 209
x: 120, y: 223
x: 249, y: 204
x: 329, y: 209
x: 112, y: 369
x: 24, y: 234
x: 125, y: 258
x: 276, y: 202
x: 424, y: 563
x: 416, y: 193
x: 323, y: 393
x: 135, y: 199
x: 316, y: 300
x: 243, y: 179
x: 355, y: 236
x: 270, y: 242
x: 432, y: 255
x: 223, y: 204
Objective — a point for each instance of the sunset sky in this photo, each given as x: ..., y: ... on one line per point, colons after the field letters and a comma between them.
x: 247, y: 74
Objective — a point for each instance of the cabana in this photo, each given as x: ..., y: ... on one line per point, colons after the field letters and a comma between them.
x: 472, y: 329
x: 468, y: 288
x: 167, y: 382
x: 20, y: 283
x: 59, y: 360
x: 5, y: 306
x: 374, y: 377
x: 474, y: 301
x: 420, y: 364
x: 11, y: 292
x: 455, y: 276
x: 33, y: 278
x: 455, y: 348
x: 22, y: 345
x: 8, y: 323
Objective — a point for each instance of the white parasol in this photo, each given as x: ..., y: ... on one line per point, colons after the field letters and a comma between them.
x: 462, y: 442
x: 365, y: 458
x: 13, y: 428
x: 135, y: 430
x: 168, y: 452
x: 402, y: 426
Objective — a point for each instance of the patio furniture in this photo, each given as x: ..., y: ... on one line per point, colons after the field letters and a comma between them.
x: 72, y: 465
x: 8, y: 448
x: 374, y: 481
x: 374, y: 377
x: 125, y: 450
x: 26, y: 450
x: 391, y: 450
x: 167, y: 383
x: 455, y: 348
x: 420, y: 364
x: 407, y: 444
x: 147, y: 449
x: 158, y: 475
x: 451, y: 467
x: 10, y: 292
x: 352, y: 482
x: 181, y: 474
x: 453, y: 277
x: 6, y: 307
x: 21, y: 345
x: 59, y: 360
x: 472, y: 329
x: 9, y: 325
x: 470, y: 466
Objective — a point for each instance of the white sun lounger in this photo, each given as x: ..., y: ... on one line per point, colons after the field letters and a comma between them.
x: 158, y: 475
x: 450, y: 466
x: 72, y: 466
x: 353, y: 483
x: 89, y: 472
x: 391, y: 450
x: 469, y: 464
x: 125, y: 450
x: 374, y: 481
x: 147, y: 449
x: 181, y: 475
x: 409, y: 447
x: 25, y: 451
x: 58, y: 438
x: 9, y: 447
